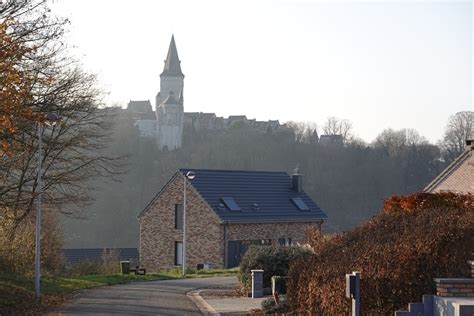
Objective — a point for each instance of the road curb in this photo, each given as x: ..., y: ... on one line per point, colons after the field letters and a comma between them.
x: 203, y: 306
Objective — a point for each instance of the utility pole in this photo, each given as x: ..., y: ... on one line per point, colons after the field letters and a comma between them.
x: 38, y: 213
x: 189, y: 175
x: 184, y: 226
x: 51, y: 120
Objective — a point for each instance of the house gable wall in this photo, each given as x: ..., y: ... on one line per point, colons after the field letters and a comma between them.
x: 461, y: 179
x: 204, y: 233
x: 273, y: 231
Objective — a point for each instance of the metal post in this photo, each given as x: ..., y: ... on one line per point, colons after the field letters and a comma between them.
x: 38, y: 214
x: 184, y: 227
x: 356, y: 297
x: 257, y: 283
x: 226, y: 263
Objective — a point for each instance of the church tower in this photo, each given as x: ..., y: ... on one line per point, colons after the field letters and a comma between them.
x: 169, y: 102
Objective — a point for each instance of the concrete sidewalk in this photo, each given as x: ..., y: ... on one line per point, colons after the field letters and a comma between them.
x: 217, y: 305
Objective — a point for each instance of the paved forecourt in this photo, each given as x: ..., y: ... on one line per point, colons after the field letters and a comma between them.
x: 142, y: 298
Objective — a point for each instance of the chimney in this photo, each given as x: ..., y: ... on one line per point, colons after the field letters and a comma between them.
x: 469, y: 144
x: 297, y: 182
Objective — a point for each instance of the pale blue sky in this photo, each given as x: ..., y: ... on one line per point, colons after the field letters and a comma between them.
x: 379, y: 64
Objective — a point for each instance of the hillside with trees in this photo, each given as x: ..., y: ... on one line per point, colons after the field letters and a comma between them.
x: 349, y: 181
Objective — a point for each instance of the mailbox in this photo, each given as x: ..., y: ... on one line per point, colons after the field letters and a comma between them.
x: 350, y: 285
x: 353, y: 291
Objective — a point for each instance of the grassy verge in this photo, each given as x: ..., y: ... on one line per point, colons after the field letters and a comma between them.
x: 17, y: 292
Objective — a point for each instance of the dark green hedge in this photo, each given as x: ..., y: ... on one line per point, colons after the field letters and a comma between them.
x: 273, y: 260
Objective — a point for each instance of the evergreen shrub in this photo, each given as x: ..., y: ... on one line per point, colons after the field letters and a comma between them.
x: 273, y: 260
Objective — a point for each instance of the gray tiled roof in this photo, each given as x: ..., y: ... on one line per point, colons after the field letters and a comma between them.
x: 237, y: 117
x: 140, y: 106
x: 262, y: 196
x: 172, y: 62
x: 77, y: 255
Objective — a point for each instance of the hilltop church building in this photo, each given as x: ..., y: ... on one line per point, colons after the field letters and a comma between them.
x: 165, y: 124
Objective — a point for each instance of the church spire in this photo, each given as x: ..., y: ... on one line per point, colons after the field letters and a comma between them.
x: 172, y: 62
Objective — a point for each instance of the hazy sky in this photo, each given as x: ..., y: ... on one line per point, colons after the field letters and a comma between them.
x: 379, y: 64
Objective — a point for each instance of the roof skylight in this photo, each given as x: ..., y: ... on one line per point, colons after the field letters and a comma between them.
x: 231, y: 204
x: 300, y: 204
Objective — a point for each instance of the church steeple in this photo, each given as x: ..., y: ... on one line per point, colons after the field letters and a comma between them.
x: 172, y: 62
x: 169, y: 102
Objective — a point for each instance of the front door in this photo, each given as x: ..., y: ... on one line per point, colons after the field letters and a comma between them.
x: 235, y: 251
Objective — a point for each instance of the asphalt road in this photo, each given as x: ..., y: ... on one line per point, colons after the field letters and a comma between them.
x: 141, y: 298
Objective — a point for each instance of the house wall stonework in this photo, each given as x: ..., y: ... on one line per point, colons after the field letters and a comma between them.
x: 273, y: 231
x: 204, y: 233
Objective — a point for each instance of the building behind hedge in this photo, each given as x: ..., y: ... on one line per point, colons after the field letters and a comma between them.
x: 458, y: 176
x: 226, y: 211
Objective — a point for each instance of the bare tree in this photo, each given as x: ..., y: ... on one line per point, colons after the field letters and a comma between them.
x: 73, y: 151
x: 305, y: 132
x: 392, y: 141
x: 460, y: 127
x: 336, y: 126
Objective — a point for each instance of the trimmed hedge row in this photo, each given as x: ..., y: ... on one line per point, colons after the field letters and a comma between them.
x: 398, y: 252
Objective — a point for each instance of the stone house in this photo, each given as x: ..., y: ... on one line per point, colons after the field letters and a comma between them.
x: 225, y: 212
x: 458, y: 176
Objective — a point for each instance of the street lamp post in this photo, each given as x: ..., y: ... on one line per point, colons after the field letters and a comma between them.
x: 38, y: 213
x: 189, y: 175
x: 51, y: 119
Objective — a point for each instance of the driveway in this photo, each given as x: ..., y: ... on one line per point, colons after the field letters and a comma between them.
x: 141, y: 298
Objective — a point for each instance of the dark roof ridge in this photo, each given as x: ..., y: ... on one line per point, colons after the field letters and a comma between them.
x: 230, y: 170
x: 98, y: 248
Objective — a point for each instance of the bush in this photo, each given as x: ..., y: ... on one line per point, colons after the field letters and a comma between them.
x: 17, y: 245
x: 268, y: 304
x: 109, y: 264
x: 85, y: 267
x: 398, y: 252
x: 273, y: 260
x: 269, y: 307
x: 110, y: 261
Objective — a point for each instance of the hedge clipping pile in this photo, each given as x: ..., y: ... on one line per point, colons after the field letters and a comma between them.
x: 398, y: 252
